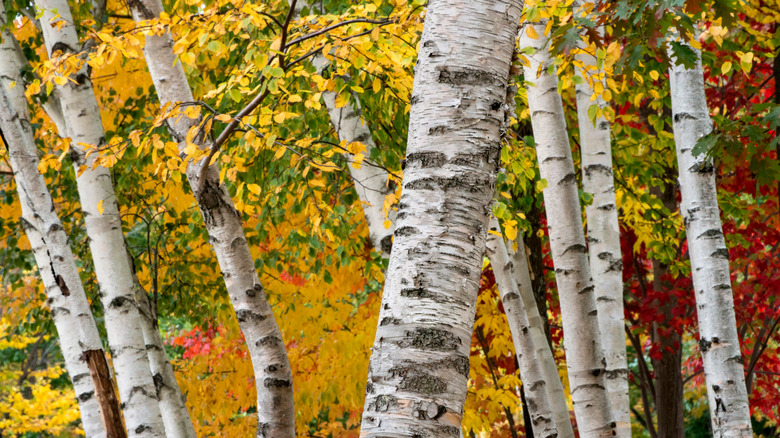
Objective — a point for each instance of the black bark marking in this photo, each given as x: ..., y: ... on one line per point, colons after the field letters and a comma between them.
x: 568, y: 179
x: 84, y: 396
x: 268, y: 342
x: 245, y: 315
x: 121, y: 302
x: 713, y: 233
x: 720, y: 253
x: 598, y: 168
x: 158, y: 382
x: 144, y: 12
x: 431, y: 339
x: 383, y: 403
x: 426, y: 159
x: 387, y: 244
x: 704, y: 345
x: 271, y: 382
x: 256, y: 289
x: 61, y: 47
x: 469, y: 76
x: 683, y: 116
x: 388, y: 320
x: 577, y: 248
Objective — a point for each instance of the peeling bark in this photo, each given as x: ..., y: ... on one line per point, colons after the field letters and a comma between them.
x: 606, y: 260
x: 584, y: 354
x: 273, y: 377
x: 112, y: 414
x: 419, y: 366
x: 719, y: 342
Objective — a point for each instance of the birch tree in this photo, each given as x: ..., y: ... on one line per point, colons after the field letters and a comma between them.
x: 143, y: 406
x: 584, y: 355
x: 73, y: 320
x: 555, y: 390
x: 419, y: 366
x: 535, y: 381
x: 718, y: 339
x: 606, y: 261
x: 273, y: 377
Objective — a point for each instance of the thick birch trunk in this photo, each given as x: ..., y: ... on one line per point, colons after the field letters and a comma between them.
x: 419, y: 366
x: 719, y: 342
x: 534, y: 380
x: 112, y: 265
x: 71, y: 313
x: 273, y: 377
x: 584, y: 355
x: 555, y: 391
x: 65, y: 294
x: 606, y: 260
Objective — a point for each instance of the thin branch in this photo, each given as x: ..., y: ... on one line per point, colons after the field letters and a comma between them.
x: 335, y: 26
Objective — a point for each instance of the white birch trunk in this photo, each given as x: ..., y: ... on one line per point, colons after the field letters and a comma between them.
x: 555, y: 390
x: 419, y: 366
x: 273, y: 376
x: 531, y: 374
x: 606, y: 260
x: 719, y: 342
x: 80, y: 111
x: 173, y: 404
x: 584, y: 355
x: 76, y: 328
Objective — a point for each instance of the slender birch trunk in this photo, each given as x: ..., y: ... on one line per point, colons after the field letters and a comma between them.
x: 584, y: 354
x: 76, y: 328
x: 606, y: 260
x: 534, y: 380
x: 273, y: 376
x: 419, y: 366
x: 66, y: 299
x: 555, y: 391
x: 84, y: 125
x: 719, y: 342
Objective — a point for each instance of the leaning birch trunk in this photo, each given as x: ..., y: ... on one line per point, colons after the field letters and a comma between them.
x: 534, y: 380
x: 419, y: 366
x: 555, y: 391
x: 719, y: 342
x: 76, y: 328
x: 606, y: 260
x: 273, y: 376
x: 584, y: 355
x: 104, y: 228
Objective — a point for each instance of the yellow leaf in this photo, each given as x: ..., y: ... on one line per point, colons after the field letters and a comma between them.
x: 100, y: 207
x: 654, y: 75
x: 377, y: 85
x: 726, y: 67
x: 294, y: 98
x: 224, y: 118
x: 59, y: 80
x: 531, y: 32
x: 279, y: 117
x: 254, y: 188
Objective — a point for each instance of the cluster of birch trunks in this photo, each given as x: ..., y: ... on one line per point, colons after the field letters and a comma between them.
x: 418, y: 370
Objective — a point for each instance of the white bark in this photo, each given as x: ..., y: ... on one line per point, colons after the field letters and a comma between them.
x: 584, y: 355
x: 173, y: 404
x: 606, y: 260
x: 419, y: 366
x: 531, y: 374
x: 555, y: 390
x: 719, y: 342
x: 273, y: 377
x: 80, y: 112
x: 76, y: 328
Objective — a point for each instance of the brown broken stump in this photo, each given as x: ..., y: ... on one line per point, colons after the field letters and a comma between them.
x: 104, y: 389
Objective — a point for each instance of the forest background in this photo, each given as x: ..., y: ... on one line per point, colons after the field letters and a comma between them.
x: 288, y: 173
